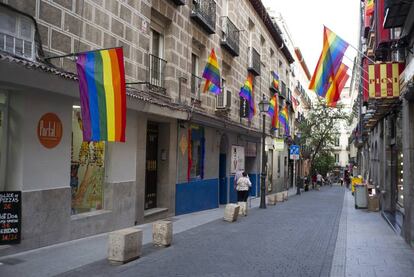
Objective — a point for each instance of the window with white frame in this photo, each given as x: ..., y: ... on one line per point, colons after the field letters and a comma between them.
x: 16, y: 34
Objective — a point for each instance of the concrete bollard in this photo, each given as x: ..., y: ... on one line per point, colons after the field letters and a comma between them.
x: 285, y: 195
x: 271, y: 199
x: 279, y: 197
x: 162, y: 233
x: 124, y: 245
x: 231, y: 212
x: 243, y: 208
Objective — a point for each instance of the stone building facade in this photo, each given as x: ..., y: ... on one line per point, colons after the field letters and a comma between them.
x: 166, y: 44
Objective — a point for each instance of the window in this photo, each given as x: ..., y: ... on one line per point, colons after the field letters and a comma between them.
x: 156, y: 62
x: 195, y: 79
x: 336, y: 158
x: 336, y: 141
x: 16, y: 34
x: 197, y: 152
x: 87, y: 169
x: 3, y: 139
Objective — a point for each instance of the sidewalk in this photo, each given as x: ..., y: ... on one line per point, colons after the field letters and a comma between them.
x: 60, y: 258
x: 367, y: 246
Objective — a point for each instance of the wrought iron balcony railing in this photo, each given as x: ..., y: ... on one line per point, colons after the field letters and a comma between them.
x: 156, y: 72
x: 17, y: 46
x: 289, y: 96
x: 195, y: 87
x: 230, y: 37
x: 204, y: 13
x: 254, y: 62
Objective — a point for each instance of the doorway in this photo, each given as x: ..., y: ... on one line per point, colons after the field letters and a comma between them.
x: 223, y: 183
x: 151, y: 166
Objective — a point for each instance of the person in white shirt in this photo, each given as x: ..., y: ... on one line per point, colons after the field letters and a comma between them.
x: 243, y: 186
x: 319, y: 180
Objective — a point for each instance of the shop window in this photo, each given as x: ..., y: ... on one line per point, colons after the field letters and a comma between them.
x: 87, y: 169
x: 197, y: 152
x: 3, y: 139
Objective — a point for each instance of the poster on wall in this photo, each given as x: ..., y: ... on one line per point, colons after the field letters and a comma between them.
x: 279, y: 145
x: 237, y: 158
x: 10, y: 217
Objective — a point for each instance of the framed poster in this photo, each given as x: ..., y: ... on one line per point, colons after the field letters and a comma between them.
x: 237, y: 158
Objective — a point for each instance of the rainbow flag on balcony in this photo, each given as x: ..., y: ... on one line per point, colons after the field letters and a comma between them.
x: 273, y: 112
x: 334, y: 92
x: 212, y: 74
x: 102, y: 94
x: 369, y: 7
x: 284, y: 120
x: 246, y: 92
x: 275, y: 80
x: 329, y: 61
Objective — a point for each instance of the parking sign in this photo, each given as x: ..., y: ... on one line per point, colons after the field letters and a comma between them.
x: 294, y: 152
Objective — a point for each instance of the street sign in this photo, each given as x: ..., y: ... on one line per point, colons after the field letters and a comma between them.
x: 10, y: 217
x: 294, y: 152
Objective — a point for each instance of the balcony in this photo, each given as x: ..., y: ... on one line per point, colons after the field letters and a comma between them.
x: 230, y: 38
x: 204, y: 13
x: 195, y: 87
x: 283, y: 90
x: 254, y: 62
x: 178, y: 2
x: 156, y: 73
x: 289, y: 96
x: 272, y: 86
x: 396, y: 12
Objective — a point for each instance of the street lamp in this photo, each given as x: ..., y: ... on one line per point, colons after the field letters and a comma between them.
x: 264, y: 108
x: 298, y: 180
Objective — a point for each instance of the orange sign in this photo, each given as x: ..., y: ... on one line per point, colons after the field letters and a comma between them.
x: 384, y: 80
x: 49, y: 130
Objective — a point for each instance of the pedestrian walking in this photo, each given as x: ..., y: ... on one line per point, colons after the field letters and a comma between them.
x: 313, y: 181
x: 319, y: 180
x: 243, y: 186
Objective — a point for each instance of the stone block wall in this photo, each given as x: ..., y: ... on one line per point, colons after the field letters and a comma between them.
x: 79, y: 25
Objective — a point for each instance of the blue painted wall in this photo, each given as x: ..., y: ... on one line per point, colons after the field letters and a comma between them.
x: 196, y: 196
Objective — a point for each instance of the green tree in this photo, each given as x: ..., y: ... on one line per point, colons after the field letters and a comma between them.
x: 319, y: 130
x: 323, y: 163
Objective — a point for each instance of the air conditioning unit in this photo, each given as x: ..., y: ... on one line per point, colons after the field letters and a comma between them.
x: 223, y: 100
x: 224, y: 26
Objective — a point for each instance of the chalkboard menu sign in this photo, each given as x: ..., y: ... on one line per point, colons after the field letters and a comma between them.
x: 10, y: 216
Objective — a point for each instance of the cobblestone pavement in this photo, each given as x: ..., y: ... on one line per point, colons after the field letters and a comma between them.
x: 294, y: 238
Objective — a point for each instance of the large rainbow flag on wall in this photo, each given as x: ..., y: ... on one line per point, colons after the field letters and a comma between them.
x: 246, y: 92
x: 273, y: 112
x: 102, y: 94
x: 329, y: 62
x: 284, y: 120
x: 212, y: 74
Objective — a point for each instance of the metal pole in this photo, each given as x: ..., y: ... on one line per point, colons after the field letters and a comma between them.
x: 263, y: 175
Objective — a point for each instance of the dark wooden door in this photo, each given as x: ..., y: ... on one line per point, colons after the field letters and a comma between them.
x: 151, y: 166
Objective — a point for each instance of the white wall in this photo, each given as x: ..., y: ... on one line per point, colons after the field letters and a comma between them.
x: 121, y: 159
x: 31, y: 166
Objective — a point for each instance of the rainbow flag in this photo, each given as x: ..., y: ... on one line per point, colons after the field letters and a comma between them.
x: 102, y: 94
x: 212, y: 74
x: 369, y: 7
x: 336, y: 86
x: 273, y: 111
x: 329, y: 61
x: 275, y: 80
x: 246, y: 92
x: 284, y: 120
